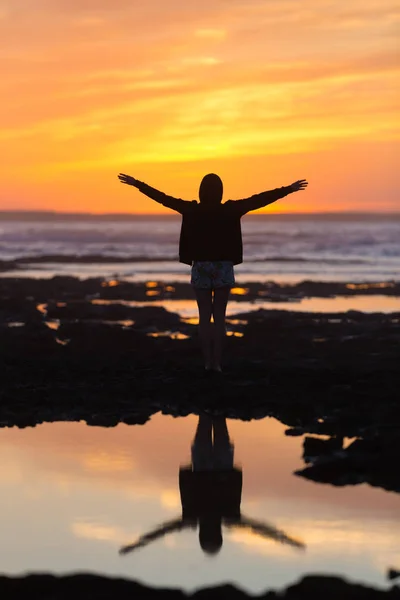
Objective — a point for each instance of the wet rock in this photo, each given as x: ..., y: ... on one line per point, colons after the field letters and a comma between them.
x: 70, y: 287
x: 136, y: 419
x: 96, y: 587
x: 333, y: 588
x: 295, y: 431
x: 102, y: 420
x: 109, y: 373
x: 364, y: 461
x: 316, y: 448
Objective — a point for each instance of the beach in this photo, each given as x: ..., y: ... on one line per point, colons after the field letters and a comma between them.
x: 152, y: 444
x: 318, y: 354
x: 69, y: 344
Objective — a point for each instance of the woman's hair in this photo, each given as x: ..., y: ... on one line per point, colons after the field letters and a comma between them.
x: 210, y: 535
x: 211, y: 189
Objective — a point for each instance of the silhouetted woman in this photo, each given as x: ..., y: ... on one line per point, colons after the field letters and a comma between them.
x: 211, y: 242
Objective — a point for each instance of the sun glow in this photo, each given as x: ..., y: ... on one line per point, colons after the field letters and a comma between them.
x: 169, y: 93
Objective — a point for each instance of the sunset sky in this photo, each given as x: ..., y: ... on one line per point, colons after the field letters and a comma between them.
x: 260, y: 92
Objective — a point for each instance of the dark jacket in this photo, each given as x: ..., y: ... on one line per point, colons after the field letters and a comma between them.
x: 212, y: 233
x: 210, y: 492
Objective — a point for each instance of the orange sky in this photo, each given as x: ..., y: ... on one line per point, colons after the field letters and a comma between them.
x: 263, y: 93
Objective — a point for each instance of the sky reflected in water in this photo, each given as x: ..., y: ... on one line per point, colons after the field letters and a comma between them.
x: 72, y: 495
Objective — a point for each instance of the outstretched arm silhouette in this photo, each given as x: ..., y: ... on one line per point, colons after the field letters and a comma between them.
x: 259, y: 200
x: 155, y: 534
x: 169, y: 201
x: 267, y: 531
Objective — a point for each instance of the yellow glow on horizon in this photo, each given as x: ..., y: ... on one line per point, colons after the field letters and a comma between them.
x: 318, y: 534
x: 100, y: 532
x: 171, y: 499
x: 168, y: 95
x: 259, y: 545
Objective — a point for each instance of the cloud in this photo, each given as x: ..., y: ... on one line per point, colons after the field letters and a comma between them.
x: 209, y: 33
x: 101, y: 532
x: 90, y: 21
x: 86, y: 85
x: 107, y: 462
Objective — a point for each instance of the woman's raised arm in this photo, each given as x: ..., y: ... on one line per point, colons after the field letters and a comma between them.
x: 155, y: 534
x: 169, y: 201
x: 268, y: 531
x: 259, y: 200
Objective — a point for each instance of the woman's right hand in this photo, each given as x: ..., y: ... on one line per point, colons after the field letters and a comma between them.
x: 299, y: 185
x: 127, y: 179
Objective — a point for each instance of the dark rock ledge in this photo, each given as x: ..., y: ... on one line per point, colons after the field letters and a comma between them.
x: 63, y: 358
x: 62, y: 287
x: 83, y: 586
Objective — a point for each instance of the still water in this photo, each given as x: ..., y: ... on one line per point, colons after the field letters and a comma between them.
x: 71, y: 496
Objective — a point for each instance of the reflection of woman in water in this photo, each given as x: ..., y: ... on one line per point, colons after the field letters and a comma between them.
x: 211, y: 490
x: 211, y: 242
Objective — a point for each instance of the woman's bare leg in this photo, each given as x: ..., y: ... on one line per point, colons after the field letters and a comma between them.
x: 223, y: 449
x: 220, y: 302
x: 202, y: 446
x: 204, y: 303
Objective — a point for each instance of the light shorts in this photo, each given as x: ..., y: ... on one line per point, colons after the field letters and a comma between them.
x: 208, y: 275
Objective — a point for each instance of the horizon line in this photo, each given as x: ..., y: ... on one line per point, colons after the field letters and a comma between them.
x: 55, y: 213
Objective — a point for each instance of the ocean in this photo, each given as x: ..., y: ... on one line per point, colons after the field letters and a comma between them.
x: 290, y: 248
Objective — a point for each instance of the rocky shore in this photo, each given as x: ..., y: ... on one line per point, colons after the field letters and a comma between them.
x: 76, y: 350
x: 113, y: 289
x: 95, y: 587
